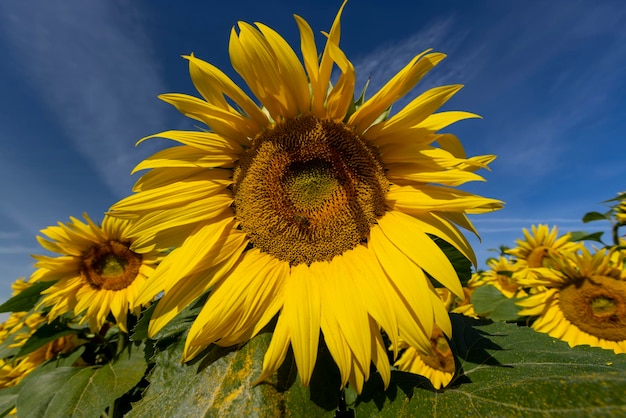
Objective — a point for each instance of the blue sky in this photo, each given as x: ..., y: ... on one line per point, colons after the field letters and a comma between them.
x: 79, y: 83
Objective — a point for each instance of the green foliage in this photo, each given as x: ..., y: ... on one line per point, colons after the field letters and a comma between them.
x: 587, y: 236
x: 52, y: 391
x: 506, y: 368
x: 596, y: 216
x: 27, y: 299
x: 509, y: 371
x: 45, y: 334
x: 490, y: 303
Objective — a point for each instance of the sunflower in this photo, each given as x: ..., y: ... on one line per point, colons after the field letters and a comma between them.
x: 584, y: 304
x: 96, y: 274
x: 499, y: 275
x: 310, y: 206
x: 12, y: 371
x: 541, y: 249
x: 437, y: 365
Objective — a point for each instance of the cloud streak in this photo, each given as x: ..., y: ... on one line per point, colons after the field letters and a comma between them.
x: 92, y: 65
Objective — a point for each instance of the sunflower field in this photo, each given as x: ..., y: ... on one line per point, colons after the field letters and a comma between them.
x: 302, y: 254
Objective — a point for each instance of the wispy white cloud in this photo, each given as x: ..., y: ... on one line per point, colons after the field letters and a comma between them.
x: 383, y: 62
x: 93, y: 67
x: 18, y: 249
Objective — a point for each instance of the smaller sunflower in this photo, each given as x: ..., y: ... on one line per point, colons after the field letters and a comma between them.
x: 437, y: 365
x: 540, y: 250
x: 12, y: 371
x: 96, y: 272
x: 584, y: 303
x: 499, y: 275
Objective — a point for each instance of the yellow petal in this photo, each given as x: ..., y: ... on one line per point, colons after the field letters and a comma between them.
x: 301, y: 311
x: 408, y: 236
x: 203, y: 73
x: 342, y: 95
x: 395, y: 88
x: 415, y: 112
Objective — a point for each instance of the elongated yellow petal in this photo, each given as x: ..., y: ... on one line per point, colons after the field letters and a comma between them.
x: 415, y: 112
x: 362, y: 262
x: 320, y: 84
x: 425, y: 198
x: 277, y: 350
x: 397, y: 87
x: 210, y: 142
x: 211, y: 237
x: 302, y: 314
x: 153, y: 223
x: 348, y: 309
x: 411, y: 173
x: 289, y: 67
x: 407, y: 235
x: 379, y: 354
x: 171, y: 195
x: 438, y: 121
x: 215, y: 80
x: 223, y: 122
x: 310, y: 57
x: 186, y: 156
x: 234, y: 306
x: 342, y: 95
x: 160, y: 177
x: 336, y: 343
x: 253, y: 59
x: 415, y: 318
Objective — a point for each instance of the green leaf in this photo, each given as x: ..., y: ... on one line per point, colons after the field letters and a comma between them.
x: 510, y: 371
x: 489, y: 302
x: 26, y: 299
x: 79, y: 392
x: 140, y: 330
x: 596, y: 216
x: 586, y: 236
x: 220, y: 383
x: 45, y: 334
x: 8, y: 399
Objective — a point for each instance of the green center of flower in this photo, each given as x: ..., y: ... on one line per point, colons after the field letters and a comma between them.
x: 308, y: 190
x: 603, y: 305
x: 596, y: 306
x: 310, y: 184
x: 110, y: 265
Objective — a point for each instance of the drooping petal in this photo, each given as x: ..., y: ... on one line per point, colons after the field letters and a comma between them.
x: 302, y: 311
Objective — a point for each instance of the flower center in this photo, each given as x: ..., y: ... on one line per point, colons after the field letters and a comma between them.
x: 537, y: 256
x: 441, y: 357
x: 597, y: 306
x: 308, y: 190
x: 110, y: 265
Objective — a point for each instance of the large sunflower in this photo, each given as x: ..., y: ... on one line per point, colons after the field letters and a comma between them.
x: 585, y: 303
x: 309, y: 206
x: 96, y: 274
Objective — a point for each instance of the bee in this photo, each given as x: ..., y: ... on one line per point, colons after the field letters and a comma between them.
x: 301, y: 220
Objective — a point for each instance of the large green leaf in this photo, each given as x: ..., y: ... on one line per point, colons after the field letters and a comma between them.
x: 510, y: 371
x: 220, y: 383
x: 79, y: 392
